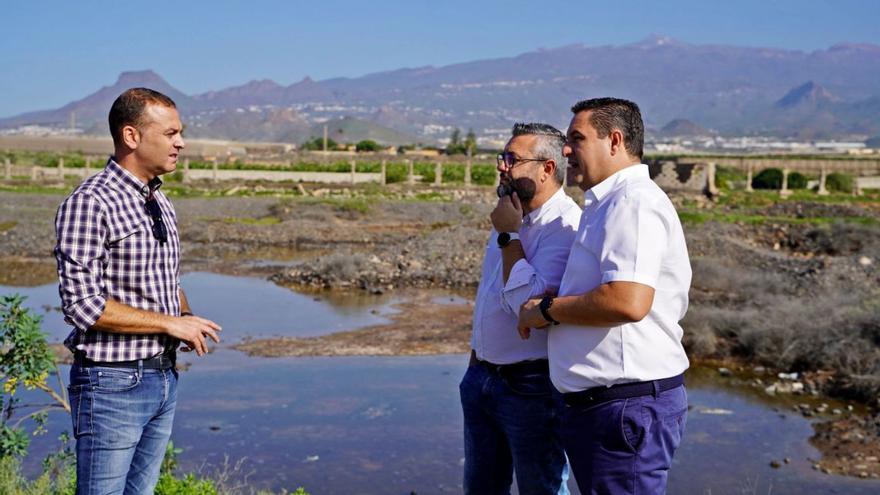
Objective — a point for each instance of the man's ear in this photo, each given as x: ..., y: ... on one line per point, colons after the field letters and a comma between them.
x: 549, y: 169
x: 131, y: 136
x: 617, y: 145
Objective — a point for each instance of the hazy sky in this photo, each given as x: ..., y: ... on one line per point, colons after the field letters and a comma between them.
x: 54, y: 52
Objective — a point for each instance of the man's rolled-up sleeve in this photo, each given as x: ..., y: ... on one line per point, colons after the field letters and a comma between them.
x: 542, y: 274
x: 635, y: 238
x: 81, y: 233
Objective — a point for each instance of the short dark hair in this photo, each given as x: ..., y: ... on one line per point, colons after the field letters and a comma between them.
x: 129, y: 107
x: 549, y: 146
x: 616, y: 113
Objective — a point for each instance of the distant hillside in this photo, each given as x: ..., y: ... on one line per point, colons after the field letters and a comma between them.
x: 808, y: 94
x: 731, y: 90
x: 351, y: 130
x: 683, y: 127
x: 96, y: 106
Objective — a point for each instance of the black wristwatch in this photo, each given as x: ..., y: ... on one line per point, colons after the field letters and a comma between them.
x: 545, y: 305
x: 505, y: 238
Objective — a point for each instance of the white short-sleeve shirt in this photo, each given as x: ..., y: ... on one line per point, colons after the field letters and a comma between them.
x: 629, y: 231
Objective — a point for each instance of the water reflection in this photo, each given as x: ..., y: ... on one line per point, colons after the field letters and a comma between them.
x: 243, y: 306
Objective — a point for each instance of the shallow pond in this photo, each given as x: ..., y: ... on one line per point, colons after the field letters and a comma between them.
x: 393, y: 424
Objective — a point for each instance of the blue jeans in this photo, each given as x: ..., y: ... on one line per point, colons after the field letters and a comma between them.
x: 625, y: 446
x: 511, y: 425
x: 122, y: 422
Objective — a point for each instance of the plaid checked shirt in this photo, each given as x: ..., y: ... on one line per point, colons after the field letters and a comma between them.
x: 106, y: 249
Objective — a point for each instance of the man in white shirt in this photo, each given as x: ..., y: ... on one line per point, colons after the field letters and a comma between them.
x: 511, y: 412
x: 615, y: 342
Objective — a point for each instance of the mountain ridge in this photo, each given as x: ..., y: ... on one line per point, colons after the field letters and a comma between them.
x: 733, y: 90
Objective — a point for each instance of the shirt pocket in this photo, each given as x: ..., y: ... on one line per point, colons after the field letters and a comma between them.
x: 129, y: 233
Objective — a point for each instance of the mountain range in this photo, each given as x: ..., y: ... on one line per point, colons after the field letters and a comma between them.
x: 717, y: 89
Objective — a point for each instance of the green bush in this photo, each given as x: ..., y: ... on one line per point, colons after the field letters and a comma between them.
x: 57, y: 478
x: 317, y: 144
x: 367, y: 145
x: 484, y: 175
x: 187, y: 485
x: 25, y: 361
x: 839, y: 182
x: 770, y: 178
x: 797, y: 180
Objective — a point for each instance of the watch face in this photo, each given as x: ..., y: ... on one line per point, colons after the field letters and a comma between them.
x: 503, y: 239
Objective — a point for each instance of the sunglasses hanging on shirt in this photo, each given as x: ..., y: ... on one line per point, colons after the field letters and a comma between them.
x: 160, y: 232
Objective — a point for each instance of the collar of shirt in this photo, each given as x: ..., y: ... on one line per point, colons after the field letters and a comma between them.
x: 600, y: 190
x: 535, y: 216
x: 127, y: 178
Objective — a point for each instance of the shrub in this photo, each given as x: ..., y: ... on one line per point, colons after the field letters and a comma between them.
x: 367, y: 145
x: 797, y: 180
x: 27, y: 361
x: 769, y: 178
x: 839, y: 182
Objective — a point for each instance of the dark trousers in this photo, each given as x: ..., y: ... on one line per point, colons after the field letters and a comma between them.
x: 511, y: 426
x: 626, y: 445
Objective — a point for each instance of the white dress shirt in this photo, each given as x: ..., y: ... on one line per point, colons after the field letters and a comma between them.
x: 629, y: 232
x: 546, y: 236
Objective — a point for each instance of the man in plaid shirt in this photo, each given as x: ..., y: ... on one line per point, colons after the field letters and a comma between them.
x: 118, y: 264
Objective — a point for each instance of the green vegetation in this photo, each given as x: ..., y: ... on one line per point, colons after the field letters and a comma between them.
x: 348, y: 204
x: 764, y: 198
x: 703, y: 216
x: 433, y: 196
x: 396, y: 171
x: 73, y: 159
x: 59, y: 478
x: 770, y: 178
x: 756, y: 156
x: 457, y: 146
x: 317, y: 144
x: 38, y: 188
x: 839, y: 182
x: 270, y: 220
x: 367, y: 145
x: 797, y: 180
x: 26, y: 361
x: 726, y: 176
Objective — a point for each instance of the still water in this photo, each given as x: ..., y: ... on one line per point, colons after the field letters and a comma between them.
x: 392, y: 425
x: 245, y: 307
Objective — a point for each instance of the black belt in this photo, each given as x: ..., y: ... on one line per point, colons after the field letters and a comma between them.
x: 596, y: 395
x: 521, y: 368
x: 162, y: 361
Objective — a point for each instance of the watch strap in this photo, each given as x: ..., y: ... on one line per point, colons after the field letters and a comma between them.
x: 545, y: 305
